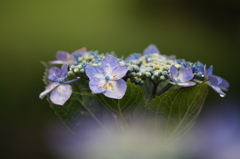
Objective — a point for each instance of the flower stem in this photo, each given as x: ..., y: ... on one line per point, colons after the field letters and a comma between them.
x: 164, y: 89
x: 154, y: 89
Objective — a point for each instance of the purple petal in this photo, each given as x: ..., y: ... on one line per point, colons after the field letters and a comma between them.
x: 185, y: 74
x: 109, y: 63
x: 218, y: 90
x: 73, y: 80
x: 54, y: 74
x: 95, y: 72
x: 173, y: 72
x: 186, y: 84
x: 48, y: 89
x: 57, y: 62
x: 64, y: 70
x: 61, y: 94
x: 151, y: 49
x: 213, y: 81
x: 97, y: 85
x: 119, y: 72
x: 134, y: 56
x: 79, y: 52
x: 219, y: 79
x: 210, y: 71
x: 62, y: 56
x: 205, y: 72
x: 224, y: 85
x: 172, y: 79
x: 116, y: 89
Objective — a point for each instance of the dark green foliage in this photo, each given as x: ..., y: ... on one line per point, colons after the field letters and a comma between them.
x: 130, y: 100
x: 174, y: 113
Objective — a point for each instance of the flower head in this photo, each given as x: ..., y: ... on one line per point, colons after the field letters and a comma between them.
x: 217, y: 83
x: 60, y: 89
x: 64, y: 57
x: 106, y: 78
x: 182, y: 77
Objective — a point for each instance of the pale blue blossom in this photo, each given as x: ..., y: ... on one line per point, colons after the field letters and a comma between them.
x: 107, y: 78
x: 217, y: 83
x: 59, y: 88
x: 182, y: 77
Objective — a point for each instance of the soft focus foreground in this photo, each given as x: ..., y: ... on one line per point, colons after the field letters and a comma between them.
x: 34, y: 30
x: 213, y: 138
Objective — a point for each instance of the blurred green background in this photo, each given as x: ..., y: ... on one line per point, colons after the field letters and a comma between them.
x: 32, y: 31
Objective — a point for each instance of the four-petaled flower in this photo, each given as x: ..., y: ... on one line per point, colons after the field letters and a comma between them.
x: 64, y: 57
x: 217, y: 83
x: 107, y: 78
x: 61, y: 91
x: 182, y: 77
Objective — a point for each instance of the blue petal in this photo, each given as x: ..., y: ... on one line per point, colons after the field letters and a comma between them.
x: 73, y: 80
x: 62, y: 56
x: 97, y: 85
x: 186, y: 84
x: 205, y: 72
x: 185, y: 74
x: 81, y: 51
x: 119, y: 72
x: 64, y: 70
x: 48, y: 89
x: 57, y: 62
x: 173, y: 72
x: 224, y: 85
x: 151, y: 49
x: 95, y: 72
x: 218, y: 90
x: 219, y: 79
x: 78, y: 53
x: 213, y: 81
x: 109, y: 63
x: 134, y: 56
x: 172, y: 79
x: 210, y: 71
x: 61, y: 94
x: 54, y: 74
x: 116, y: 89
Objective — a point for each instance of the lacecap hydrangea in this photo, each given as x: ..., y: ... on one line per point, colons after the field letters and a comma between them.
x: 108, y: 74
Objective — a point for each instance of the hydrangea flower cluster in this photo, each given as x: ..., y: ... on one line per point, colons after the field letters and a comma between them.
x: 108, y: 74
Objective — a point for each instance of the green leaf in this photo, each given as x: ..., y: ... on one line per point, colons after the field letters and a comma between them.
x: 82, y: 111
x: 174, y: 113
x: 130, y: 100
x: 75, y: 115
x: 45, y: 75
x: 85, y: 93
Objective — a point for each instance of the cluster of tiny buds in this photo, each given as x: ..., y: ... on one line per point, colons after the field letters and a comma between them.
x: 140, y: 67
